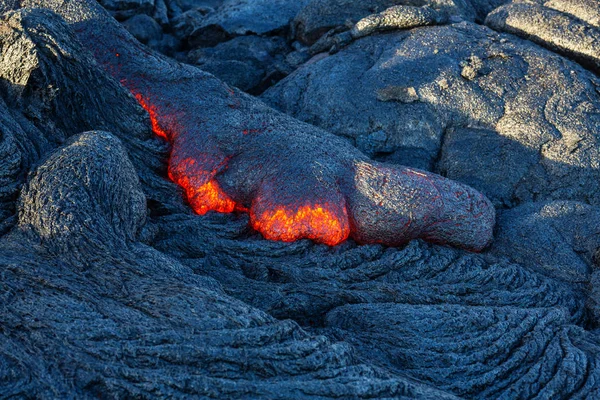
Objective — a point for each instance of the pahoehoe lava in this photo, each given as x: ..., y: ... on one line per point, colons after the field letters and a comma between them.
x: 112, y: 285
x: 230, y: 152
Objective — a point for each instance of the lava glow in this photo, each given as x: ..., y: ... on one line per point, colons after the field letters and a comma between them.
x: 207, y: 197
x: 316, y: 223
x: 153, y: 115
x: 210, y: 197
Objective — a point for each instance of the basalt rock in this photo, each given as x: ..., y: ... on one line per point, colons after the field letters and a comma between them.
x: 122, y: 9
x: 241, y: 17
x: 320, y: 16
x: 556, y: 238
x: 250, y: 63
x: 393, y: 18
x: 186, y: 5
x: 540, y: 355
x: 501, y: 114
x: 557, y: 25
x: 144, y: 28
x: 112, y: 287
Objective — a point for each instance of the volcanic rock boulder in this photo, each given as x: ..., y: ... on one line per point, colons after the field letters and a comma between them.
x: 393, y: 18
x: 501, y: 114
x: 557, y: 238
x: 144, y: 28
x: 320, y: 16
x: 186, y: 5
x: 570, y: 28
x: 250, y: 63
x: 242, y: 17
x: 128, y: 8
x: 586, y: 10
x: 85, y: 200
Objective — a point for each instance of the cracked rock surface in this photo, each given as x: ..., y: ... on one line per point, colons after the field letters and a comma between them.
x: 111, y: 287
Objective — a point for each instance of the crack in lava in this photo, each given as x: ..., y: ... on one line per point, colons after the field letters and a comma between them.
x: 312, y: 222
x: 318, y: 223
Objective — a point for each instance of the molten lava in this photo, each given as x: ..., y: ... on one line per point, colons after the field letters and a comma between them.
x: 206, y: 197
x: 317, y: 223
x: 153, y: 116
x: 209, y: 197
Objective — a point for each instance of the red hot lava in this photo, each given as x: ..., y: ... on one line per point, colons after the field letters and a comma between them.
x: 317, y: 222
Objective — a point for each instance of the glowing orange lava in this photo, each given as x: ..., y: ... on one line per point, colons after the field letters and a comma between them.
x: 210, y: 197
x: 206, y: 197
x: 319, y: 223
x: 153, y: 116
x: 316, y: 223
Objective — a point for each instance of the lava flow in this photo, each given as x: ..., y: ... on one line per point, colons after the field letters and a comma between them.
x: 153, y: 116
x: 316, y: 223
x: 208, y: 197
x: 204, y: 197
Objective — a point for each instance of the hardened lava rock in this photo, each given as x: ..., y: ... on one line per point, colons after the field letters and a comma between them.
x: 230, y: 152
x: 241, y: 17
x: 501, y: 114
x: 320, y: 16
x: 139, y: 323
x: 111, y: 287
x: 567, y: 28
x: 540, y: 355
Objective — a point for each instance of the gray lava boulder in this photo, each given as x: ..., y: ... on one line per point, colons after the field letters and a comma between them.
x: 558, y: 238
x: 243, y: 17
x: 122, y: 9
x: 496, y: 112
x: 251, y: 63
x: 556, y: 29
x: 144, y: 28
x: 320, y: 16
x: 186, y: 5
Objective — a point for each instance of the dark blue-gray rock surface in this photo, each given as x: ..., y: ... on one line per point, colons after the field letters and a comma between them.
x: 111, y: 287
x: 501, y: 114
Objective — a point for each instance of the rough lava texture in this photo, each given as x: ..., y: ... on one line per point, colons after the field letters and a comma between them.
x: 554, y: 25
x: 232, y: 153
x: 242, y: 17
x: 511, y: 119
x: 112, y: 287
x: 557, y: 238
x: 320, y: 16
x: 140, y: 324
x: 135, y: 313
x: 250, y: 63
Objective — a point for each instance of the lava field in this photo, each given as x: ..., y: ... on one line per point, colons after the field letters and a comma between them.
x: 308, y: 199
